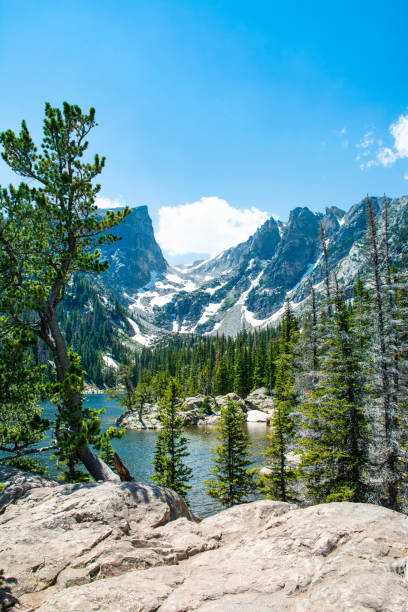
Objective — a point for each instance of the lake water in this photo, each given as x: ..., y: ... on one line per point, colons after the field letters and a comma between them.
x: 136, y: 449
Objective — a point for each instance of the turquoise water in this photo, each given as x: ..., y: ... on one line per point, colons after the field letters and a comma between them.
x: 136, y: 450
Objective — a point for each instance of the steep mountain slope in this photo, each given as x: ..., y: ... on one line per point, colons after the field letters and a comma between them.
x: 245, y: 286
x: 137, y: 257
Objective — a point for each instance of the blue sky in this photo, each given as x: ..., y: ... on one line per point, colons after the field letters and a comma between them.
x: 246, y: 109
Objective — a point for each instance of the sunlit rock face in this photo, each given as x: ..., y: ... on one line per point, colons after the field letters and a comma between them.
x: 130, y: 546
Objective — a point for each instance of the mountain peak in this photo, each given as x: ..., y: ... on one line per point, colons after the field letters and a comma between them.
x: 137, y: 256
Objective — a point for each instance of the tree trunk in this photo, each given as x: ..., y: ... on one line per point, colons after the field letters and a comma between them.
x: 94, y: 464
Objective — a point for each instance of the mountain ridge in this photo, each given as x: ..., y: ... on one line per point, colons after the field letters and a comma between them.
x: 246, y: 285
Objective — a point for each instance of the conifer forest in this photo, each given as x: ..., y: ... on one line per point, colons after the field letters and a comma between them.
x: 336, y: 370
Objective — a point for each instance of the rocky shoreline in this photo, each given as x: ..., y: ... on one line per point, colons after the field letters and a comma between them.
x: 122, y: 547
x: 200, y: 411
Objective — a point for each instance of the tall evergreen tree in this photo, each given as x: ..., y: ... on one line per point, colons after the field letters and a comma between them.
x: 49, y: 229
x: 325, y: 254
x: 259, y: 378
x: 386, y: 422
x: 233, y: 480
x: 333, y: 441
x: 222, y: 383
x: 242, y: 374
x: 277, y: 484
x: 171, y: 445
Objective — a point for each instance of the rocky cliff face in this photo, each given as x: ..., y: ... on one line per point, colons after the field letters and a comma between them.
x: 127, y: 546
x: 137, y: 258
x: 245, y: 287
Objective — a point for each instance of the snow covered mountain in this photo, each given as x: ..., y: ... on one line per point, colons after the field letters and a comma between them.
x: 245, y: 286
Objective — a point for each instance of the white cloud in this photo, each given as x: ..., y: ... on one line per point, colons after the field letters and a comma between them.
x: 389, y: 155
x: 367, y: 141
x: 399, y: 130
x: 406, y: 176
x: 108, y: 203
x: 386, y: 156
x: 209, y: 225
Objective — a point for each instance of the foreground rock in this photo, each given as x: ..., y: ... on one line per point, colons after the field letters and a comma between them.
x: 108, y: 547
x: 202, y: 411
x: 56, y: 535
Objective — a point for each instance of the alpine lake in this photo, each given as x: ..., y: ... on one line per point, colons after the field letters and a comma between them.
x: 136, y: 449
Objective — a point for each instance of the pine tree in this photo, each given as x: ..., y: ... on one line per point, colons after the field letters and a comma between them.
x: 325, y: 254
x: 242, y: 376
x: 49, y: 229
x: 334, y: 450
x: 271, y: 356
x: 277, y: 484
x: 171, y: 445
x: 386, y: 429
x: 233, y: 480
x: 259, y: 365
x: 222, y: 377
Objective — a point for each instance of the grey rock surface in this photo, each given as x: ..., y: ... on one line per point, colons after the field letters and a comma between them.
x: 113, y: 547
x: 266, y: 556
x: 56, y: 535
x: 130, y: 418
x: 260, y: 400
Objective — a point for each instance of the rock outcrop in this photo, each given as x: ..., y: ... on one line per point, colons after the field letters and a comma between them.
x: 112, y: 547
x: 130, y: 418
x: 55, y: 535
x: 257, y: 416
x: 202, y: 411
x: 261, y: 400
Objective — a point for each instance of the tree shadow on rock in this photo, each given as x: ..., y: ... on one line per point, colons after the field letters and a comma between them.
x: 7, y: 599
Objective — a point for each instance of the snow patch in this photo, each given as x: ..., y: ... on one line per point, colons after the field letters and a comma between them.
x: 250, y: 318
x: 214, y: 329
x: 186, y: 284
x: 138, y: 336
x: 109, y: 362
x: 161, y: 300
x: 208, y: 312
x: 161, y: 285
x: 254, y: 283
x: 212, y: 290
x: 154, y: 277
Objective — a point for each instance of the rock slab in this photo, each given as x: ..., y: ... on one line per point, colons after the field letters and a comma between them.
x: 113, y: 547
